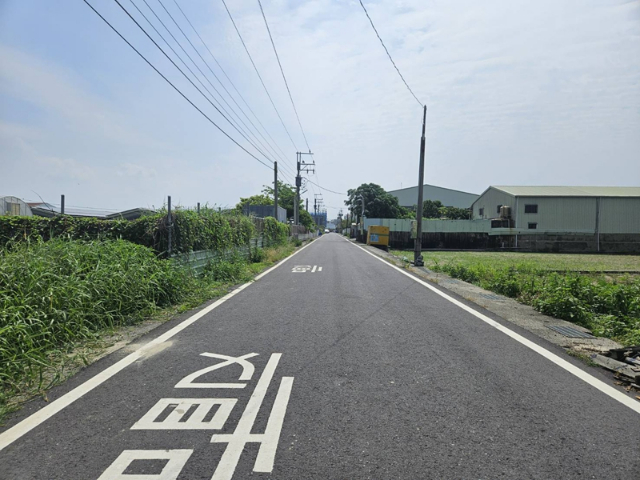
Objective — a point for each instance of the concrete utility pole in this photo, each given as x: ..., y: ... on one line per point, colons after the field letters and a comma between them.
x: 169, y: 225
x: 302, y: 167
x: 61, y: 204
x: 275, y: 190
x: 417, y: 247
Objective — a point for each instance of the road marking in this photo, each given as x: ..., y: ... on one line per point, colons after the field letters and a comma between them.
x: 581, y: 374
x: 247, y: 372
x: 12, y: 434
x: 237, y: 441
x: 305, y: 269
x: 180, y: 407
x: 177, y: 459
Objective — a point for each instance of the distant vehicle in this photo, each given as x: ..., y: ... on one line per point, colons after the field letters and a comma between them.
x: 326, y: 230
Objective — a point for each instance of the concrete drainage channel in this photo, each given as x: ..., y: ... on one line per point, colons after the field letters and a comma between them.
x: 604, y: 352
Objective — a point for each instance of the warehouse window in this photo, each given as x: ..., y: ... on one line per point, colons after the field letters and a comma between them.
x: 481, y: 212
x: 533, y: 226
x: 498, y: 209
x: 531, y: 208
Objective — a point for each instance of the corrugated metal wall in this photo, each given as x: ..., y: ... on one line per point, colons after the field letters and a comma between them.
x: 620, y: 215
x: 490, y: 200
x: 558, y: 214
x: 408, y: 197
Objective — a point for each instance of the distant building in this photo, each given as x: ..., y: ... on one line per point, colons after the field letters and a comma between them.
x: 43, y: 209
x: 564, y: 218
x: 14, y: 206
x: 408, y: 197
x: 320, y: 219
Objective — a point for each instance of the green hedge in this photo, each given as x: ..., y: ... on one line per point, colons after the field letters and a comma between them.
x: 275, y: 233
x: 209, y: 230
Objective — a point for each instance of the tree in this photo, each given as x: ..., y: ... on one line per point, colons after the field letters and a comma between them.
x: 454, y: 213
x: 286, y: 200
x: 431, y: 208
x: 377, y: 202
x: 253, y: 200
x: 286, y: 196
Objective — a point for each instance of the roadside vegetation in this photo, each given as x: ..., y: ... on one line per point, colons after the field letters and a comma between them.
x: 60, y: 297
x: 601, y: 293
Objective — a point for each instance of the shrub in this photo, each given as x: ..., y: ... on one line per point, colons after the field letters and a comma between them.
x: 55, y: 293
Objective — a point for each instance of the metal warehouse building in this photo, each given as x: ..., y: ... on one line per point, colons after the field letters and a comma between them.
x: 565, y: 218
x: 408, y: 197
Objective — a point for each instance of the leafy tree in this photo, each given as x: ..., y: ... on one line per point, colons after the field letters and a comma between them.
x: 431, y: 208
x: 286, y: 200
x: 454, y: 213
x: 377, y: 202
x: 253, y: 200
x: 286, y: 196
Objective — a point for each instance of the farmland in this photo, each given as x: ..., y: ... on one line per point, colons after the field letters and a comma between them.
x: 599, y: 292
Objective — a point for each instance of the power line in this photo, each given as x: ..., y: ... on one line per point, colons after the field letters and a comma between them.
x: 326, y: 189
x: 234, y: 124
x: 227, y: 77
x: 388, y: 54
x: 248, y: 131
x: 258, y: 73
x: 283, y: 77
x: 173, y: 86
x: 185, y: 75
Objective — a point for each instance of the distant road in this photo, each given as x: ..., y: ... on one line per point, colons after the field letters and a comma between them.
x: 333, y: 365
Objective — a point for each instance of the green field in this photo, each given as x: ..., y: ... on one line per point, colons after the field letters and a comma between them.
x: 600, y: 292
x: 543, y: 261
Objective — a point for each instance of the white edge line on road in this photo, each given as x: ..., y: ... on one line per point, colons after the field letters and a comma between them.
x: 581, y: 374
x: 12, y: 434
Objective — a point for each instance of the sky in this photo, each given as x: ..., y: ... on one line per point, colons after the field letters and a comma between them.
x: 518, y: 93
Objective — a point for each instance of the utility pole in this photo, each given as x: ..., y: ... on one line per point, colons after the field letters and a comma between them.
x: 61, y: 204
x: 307, y: 204
x: 275, y: 190
x: 417, y: 247
x: 169, y: 225
x: 302, y: 167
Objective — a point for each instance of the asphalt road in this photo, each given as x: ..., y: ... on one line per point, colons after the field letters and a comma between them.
x: 360, y: 373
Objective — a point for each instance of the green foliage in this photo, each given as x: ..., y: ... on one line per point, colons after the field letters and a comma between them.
x: 377, y: 202
x: 275, y: 233
x: 431, y: 208
x: 306, y: 220
x: 253, y: 200
x: 230, y: 269
x: 608, y: 308
x: 191, y: 231
x: 454, y: 213
x: 57, y: 292
x: 286, y: 196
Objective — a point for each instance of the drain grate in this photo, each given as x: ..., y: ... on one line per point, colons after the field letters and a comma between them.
x: 490, y: 296
x: 570, y: 332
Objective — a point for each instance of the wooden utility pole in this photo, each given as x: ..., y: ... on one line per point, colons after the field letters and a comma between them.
x: 417, y: 247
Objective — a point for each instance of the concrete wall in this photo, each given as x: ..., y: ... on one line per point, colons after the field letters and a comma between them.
x: 566, y: 243
x: 431, y: 225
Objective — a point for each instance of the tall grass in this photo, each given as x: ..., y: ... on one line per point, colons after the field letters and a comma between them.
x: 610, y: 307
x: 55, y: 293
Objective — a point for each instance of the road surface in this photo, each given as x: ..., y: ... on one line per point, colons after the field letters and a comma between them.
x: 332, y: 365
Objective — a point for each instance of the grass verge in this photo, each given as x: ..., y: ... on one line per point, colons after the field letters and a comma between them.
x: 63, y: 303
x: 570, y: 287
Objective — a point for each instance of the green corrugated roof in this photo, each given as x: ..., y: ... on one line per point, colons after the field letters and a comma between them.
x: 530, y: 191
